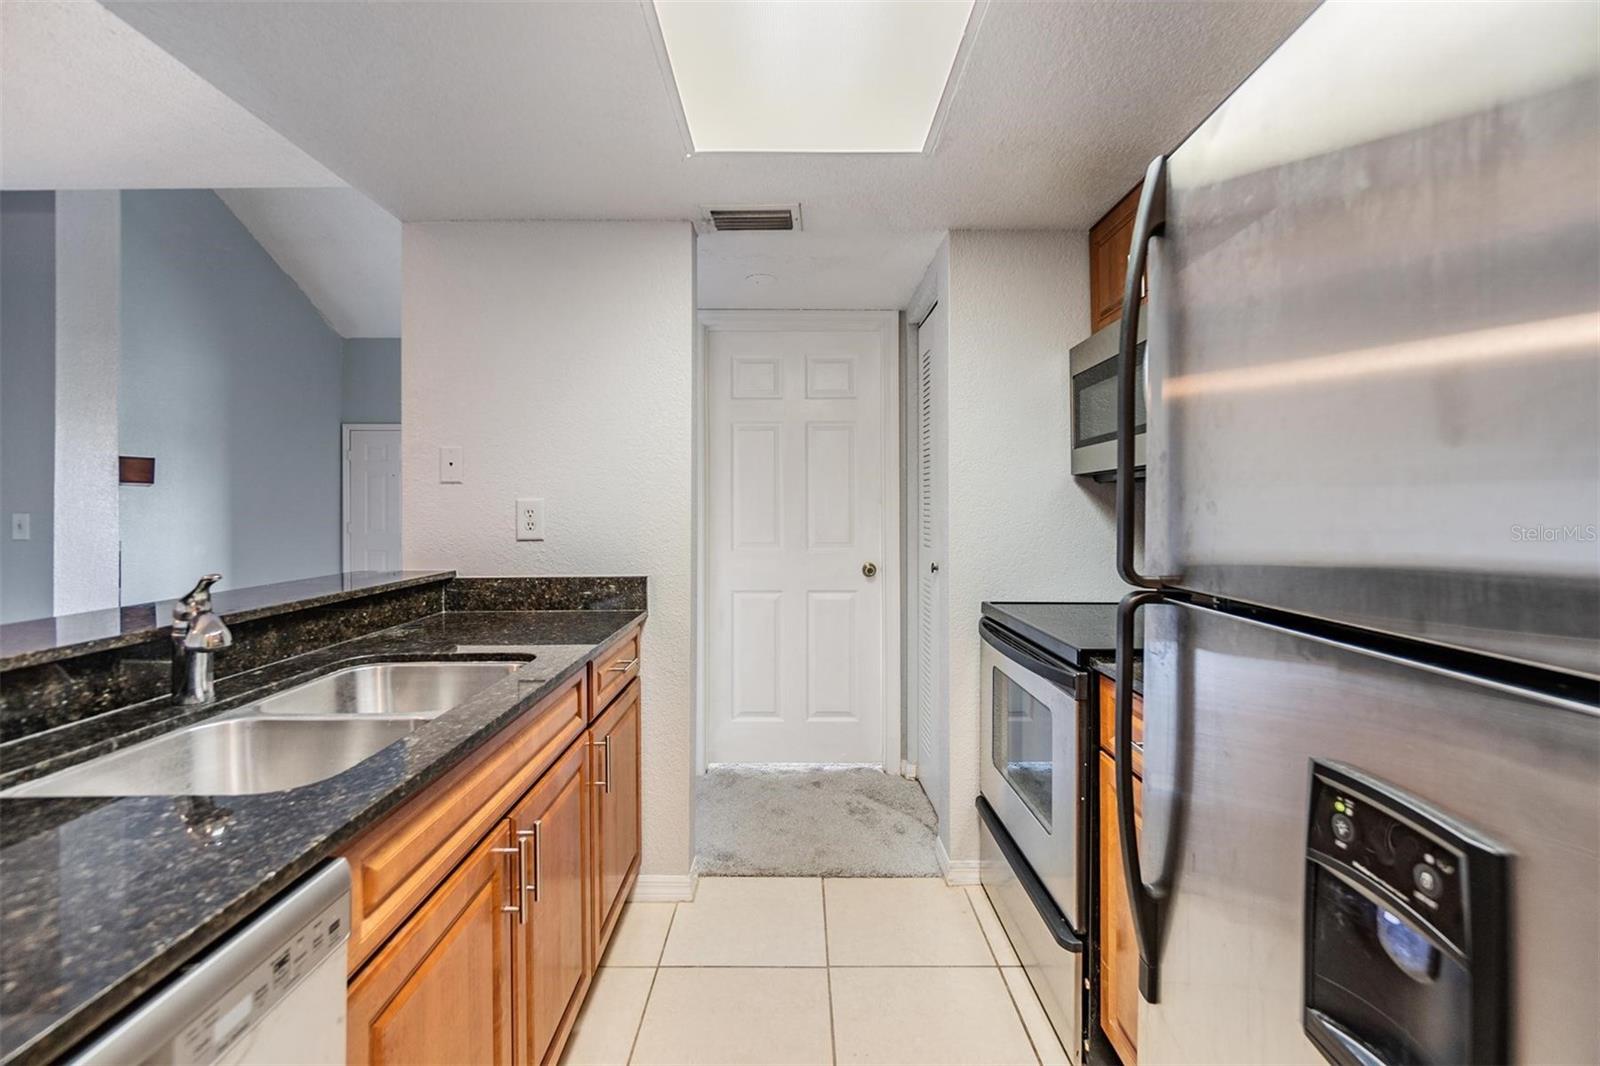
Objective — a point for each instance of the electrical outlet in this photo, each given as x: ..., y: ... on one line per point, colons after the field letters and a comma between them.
x: 450, y: 464
x: 530, y: 518
x: 22, y: 525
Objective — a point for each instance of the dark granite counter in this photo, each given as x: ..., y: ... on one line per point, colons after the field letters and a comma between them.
x: 101, y: 899
x: 1107, y: 665
x: 44, y: 640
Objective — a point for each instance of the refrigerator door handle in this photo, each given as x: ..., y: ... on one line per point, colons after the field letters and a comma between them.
x: 1148, y: 222
x: 1146, y: 901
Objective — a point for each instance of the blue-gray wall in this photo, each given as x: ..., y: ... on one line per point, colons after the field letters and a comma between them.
x: 27, y: 400
x: 233, y: 381
x: 372, y: 379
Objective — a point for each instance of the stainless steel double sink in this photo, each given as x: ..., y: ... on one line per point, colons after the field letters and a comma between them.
x: 291, y: 738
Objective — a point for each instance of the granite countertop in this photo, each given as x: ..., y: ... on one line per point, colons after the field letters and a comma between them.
x: 101, y: 899
x: 1107, y: 665
x: 43, y: 640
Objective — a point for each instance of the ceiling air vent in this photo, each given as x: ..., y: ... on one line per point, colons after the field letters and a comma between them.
x: 745, y: 218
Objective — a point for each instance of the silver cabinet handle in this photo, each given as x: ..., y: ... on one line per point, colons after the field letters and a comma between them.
x: 605, y: 774
x: 516, y: 879
x: 537, y: 836
x: 623, y: 667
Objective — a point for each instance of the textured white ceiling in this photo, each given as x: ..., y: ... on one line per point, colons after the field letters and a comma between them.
x: 467, y: 110
x: 342, y: 249
x: 88, y: 103
x: 836, y: 271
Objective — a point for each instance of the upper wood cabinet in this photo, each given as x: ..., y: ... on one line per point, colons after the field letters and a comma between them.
x: 441, y: 988
x: 1109, y: 243
x: 553, y: 943
x: 615, y: 774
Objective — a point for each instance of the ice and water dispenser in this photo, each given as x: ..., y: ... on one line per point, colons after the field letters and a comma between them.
x: 1405, y: 929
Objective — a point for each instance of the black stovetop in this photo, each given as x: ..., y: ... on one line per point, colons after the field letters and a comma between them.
x: 1073, y: 632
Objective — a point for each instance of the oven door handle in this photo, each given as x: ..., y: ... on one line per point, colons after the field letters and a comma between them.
x: 1012, y: 648
x: 1051, y: 914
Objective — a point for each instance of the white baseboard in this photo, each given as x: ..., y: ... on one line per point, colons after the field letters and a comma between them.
x: 667, y: 888
x: 956, y: 871
x: 908, y: 770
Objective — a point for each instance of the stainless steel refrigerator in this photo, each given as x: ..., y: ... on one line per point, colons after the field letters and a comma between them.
x: 1370, y: 578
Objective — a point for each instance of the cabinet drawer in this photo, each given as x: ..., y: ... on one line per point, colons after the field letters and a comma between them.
x: 396, y: 865
x: 1108, y: 723
x: 611, y: 671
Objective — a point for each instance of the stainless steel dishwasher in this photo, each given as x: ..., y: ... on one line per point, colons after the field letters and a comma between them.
x: 271, y: 994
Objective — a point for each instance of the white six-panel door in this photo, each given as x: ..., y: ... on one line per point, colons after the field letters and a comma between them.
x: 795, y: 533
x: 372, y: 497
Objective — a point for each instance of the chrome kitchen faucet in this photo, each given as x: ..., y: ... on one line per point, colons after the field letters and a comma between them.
x: 197, y: 634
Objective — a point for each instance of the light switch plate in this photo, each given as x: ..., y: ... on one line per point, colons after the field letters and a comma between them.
x: 21, y: 525
x: 450, y: 469
x: 530, y: 518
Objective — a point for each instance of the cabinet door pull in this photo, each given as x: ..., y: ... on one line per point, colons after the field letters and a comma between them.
x: 605, y: 773
x: 516, y: 880
x: 623, y: 667
x: 523, y: 836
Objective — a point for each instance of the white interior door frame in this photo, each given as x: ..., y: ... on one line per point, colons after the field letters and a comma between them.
x: 344, y: 483
x: 890, y: 550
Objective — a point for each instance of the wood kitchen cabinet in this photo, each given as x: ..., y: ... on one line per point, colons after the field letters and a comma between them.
x: 615, y: 770
x: 1110, y: 240
x: 552, y: 958
x: 1119, y: 945
x: 480, y: 908
x: 441, y: 989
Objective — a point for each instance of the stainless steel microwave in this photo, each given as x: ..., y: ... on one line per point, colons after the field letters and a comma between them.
x: 1094, y: 366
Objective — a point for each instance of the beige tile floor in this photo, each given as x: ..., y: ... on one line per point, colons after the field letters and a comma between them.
x: 811, y: 970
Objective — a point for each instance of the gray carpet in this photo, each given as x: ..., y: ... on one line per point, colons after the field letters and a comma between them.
x: 755, y: 821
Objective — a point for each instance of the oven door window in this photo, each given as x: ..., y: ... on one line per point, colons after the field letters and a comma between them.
x: 1021, y: 747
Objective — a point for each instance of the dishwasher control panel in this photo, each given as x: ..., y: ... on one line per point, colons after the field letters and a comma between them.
x: 241, y: 1007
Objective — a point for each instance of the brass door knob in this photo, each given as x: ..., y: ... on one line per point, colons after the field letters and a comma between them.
x: 869, y: 569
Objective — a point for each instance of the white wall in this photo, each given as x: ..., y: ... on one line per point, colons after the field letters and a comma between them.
x: 88, y: 366
x: 1020, y: 525
x: 559, y: 357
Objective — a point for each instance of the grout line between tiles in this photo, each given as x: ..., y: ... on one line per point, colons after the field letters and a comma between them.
x: 655, y: 973
x: 827, y: 959
x: 982, y: 929
x: 1017, y: 1007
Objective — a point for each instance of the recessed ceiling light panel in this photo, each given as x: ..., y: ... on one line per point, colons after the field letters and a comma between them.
x: 795, y: 76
